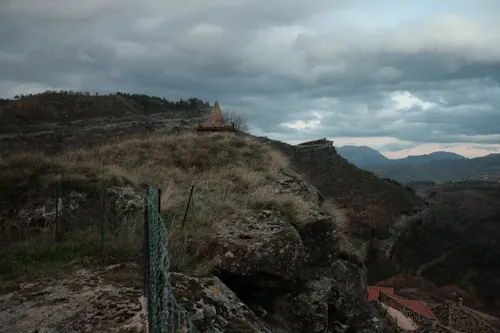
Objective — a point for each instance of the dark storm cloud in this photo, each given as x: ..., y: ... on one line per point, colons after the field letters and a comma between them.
x: 436, y: 80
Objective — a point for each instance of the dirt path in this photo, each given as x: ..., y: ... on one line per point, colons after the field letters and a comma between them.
x: 403, y: 322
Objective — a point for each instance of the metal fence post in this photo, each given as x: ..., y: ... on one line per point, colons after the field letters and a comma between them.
x: 187, y: 207
x: 103, y: 213
x: 59, y: 210
x: 146, y: 246
x: 152, y: 327
x: 163, y: 310
x: 159, y: 201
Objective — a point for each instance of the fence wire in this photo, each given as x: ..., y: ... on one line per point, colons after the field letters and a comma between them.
x: 165, y: 315
x: 95, y: 208
x: 82, y: 208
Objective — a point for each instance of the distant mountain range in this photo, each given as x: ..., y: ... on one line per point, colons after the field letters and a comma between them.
x: 438, y: 166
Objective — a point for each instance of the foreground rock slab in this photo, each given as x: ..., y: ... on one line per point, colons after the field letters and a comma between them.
x: 255, y: 243
x: 84, y: 302
x: 213, y: 307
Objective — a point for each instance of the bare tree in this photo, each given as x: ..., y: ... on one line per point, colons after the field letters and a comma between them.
x: 237, y: 120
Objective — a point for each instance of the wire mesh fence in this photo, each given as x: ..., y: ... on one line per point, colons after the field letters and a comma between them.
x: 107, y: 216
x: 97, y: 208
x: 82, y: 209
x: 165, y: 315
x: 99, y: 221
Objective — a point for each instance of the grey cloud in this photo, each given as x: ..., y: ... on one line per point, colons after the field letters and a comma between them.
x: 254, y: 64
x: 487, y: 147
x: 397, y: 146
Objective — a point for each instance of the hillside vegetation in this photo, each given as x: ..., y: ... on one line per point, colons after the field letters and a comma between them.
x: 53, y: 121
x: 372, y: 203
x: 456, y: 245
x: 230, y: 173
x: 69, y: 119
x: 65, y: 106
x: 255, y: 224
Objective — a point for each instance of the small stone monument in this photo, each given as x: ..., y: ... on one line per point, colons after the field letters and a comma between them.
x: 216, y: 122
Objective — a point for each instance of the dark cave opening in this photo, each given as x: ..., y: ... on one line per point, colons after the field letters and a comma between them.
x: 257, y: 290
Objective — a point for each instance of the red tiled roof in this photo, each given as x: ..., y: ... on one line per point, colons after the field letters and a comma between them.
x: 417, y: 306
x: 374, y: 292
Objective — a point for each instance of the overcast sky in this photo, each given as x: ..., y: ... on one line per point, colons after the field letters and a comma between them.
x: 401, y: 76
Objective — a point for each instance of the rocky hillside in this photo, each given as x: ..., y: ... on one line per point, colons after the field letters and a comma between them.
x: 256, y: 253
x: 453, y: 245
x: 372, y: 204
x: 54, y: 120
x: 252, y: 195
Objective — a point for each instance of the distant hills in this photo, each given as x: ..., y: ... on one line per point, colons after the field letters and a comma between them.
x: 363, y: 156
x: 438, y: 166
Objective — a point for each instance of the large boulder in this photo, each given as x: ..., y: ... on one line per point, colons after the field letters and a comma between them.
x: 257, y: 244
x: 292, y: 277
x: 334, y: 300
x: 320, y: 240
x: 293, y: 183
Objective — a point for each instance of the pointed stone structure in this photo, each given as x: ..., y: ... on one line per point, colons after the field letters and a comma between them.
x: 216, y: 122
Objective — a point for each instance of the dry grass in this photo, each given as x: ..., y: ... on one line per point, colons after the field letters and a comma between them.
x: 351, y: 248
x: 39, y: 255
x: 229, y: 173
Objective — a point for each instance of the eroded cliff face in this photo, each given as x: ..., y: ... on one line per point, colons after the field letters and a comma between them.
x: 269, y: 276
x: 373, y: 206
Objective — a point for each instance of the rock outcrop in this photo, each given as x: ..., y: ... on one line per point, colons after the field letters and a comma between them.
x: 87, y: 301
x: 213, y: 307
x: 269, y: 276
x: 291, y: 277
x: 372, y: 203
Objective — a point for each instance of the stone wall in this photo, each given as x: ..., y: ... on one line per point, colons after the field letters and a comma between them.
x: 382, y: 312
x: 416, y: 317
x: 434, y: 327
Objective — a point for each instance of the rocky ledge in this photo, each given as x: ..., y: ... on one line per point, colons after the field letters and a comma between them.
x: 269, y: 276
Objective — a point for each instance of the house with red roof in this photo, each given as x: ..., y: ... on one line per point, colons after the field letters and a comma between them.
x: 374, y: 292
x: 416, y: 306
x: 416, y: 310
